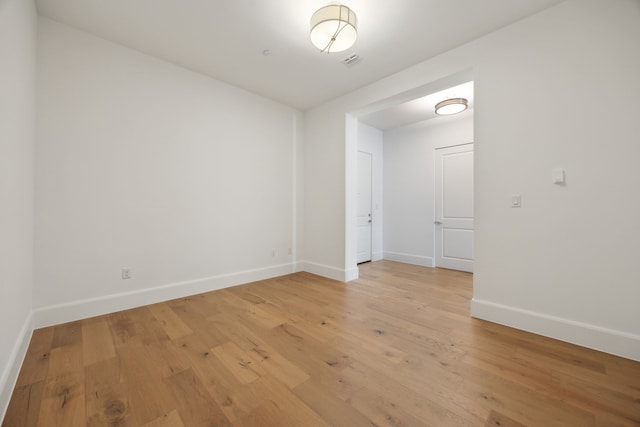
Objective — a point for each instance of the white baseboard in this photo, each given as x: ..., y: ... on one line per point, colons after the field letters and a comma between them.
x: 377, y: 256
x: 10, y: 373
x: 351, y: 274
x: 82, y: 309
x: 619, y: 343
x: 409, y: 259
x: 327, y: 271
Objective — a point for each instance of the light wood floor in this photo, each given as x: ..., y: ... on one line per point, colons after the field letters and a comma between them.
x: 394, y: 348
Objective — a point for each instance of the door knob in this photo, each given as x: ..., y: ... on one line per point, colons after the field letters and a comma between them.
x: 437, y: 222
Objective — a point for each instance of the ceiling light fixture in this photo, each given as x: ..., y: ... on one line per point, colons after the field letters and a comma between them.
x: 451, y: 106
x: 334, y: 28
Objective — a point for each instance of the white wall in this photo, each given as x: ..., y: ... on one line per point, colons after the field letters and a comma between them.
x: 565, y: 264
x: 324, y: 195
x: 370, y: 141
x: 17, y: 120
x: 409, y: 171
x: 185, y: 180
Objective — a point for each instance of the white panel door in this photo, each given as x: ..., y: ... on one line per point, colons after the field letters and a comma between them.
x: 364, y: 207
x: 454, y: 208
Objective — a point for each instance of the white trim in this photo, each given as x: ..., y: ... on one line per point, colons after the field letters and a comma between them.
x: 619, y: 343
x: 377, y: 256
x: 328, y: 271
x: 82, y: 309
x: 351, y: 274
x: 293, y: 250
x: 425, y: 261
x: 12, y: 369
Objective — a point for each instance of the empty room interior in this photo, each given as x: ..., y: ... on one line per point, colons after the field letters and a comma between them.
x: 309, y: 213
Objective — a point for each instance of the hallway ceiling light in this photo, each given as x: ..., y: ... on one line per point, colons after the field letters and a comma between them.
x: 451, y: 106
x: 334, y: 28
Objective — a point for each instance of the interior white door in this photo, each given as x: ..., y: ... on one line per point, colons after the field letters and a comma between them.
x: 454, y: 208
x: 364, y: 207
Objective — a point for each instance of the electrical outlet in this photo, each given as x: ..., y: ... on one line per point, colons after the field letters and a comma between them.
x: 126, y: 273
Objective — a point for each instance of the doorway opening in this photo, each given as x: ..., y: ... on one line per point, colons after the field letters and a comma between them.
x: 409, y: 142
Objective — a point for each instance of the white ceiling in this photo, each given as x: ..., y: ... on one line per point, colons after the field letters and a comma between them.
x: 225, y: 39
x: 416, y: 110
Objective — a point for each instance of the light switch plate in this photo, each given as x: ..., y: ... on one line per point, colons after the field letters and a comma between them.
x: 516, y: 201
x: 558, y: 176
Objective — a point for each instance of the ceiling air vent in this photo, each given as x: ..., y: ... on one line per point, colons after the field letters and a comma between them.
x: 351, y: 59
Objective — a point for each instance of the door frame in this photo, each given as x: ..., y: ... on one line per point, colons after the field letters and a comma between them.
x: 370, y: 220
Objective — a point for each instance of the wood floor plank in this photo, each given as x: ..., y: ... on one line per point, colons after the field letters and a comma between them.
x: 501, y: 393
x: 36, y: 362
x: 142, y: 370
x: 238, y: 362
x: 24, y: 409
x: 97, y: 342
x: 106, y: 400
x: 67, y: 334
x: 171, y: 322
x: 283, y: 407
x: 195, y: 405
x: 137, y: 325
x: 329, y: 406
x: 402, y: 403
x: 253, y: 313
x: 264, y: 355
x: 307, y: 353
x: 172, y: 419
x: 496, y: 419
x: 234, y: 398
x: 123, y: 327
x: 395, y: 347
x: 194, y: 312
x: 63, y: 401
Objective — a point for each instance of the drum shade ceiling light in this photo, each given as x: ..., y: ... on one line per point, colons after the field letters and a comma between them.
x: 451, y: 106
x: 334, y: 28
